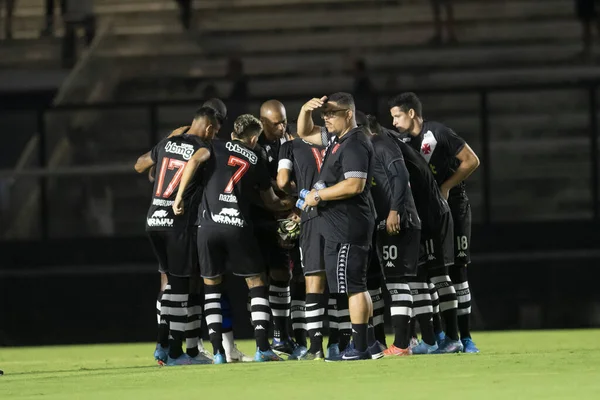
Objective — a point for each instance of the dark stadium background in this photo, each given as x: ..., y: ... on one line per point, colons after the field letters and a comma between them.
x: 75, y: 266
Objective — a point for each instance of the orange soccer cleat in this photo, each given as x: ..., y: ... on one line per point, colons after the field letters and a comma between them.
x: 396, y: 351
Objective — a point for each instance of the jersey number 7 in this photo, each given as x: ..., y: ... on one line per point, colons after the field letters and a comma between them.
x: 235, y: 178
x: 169, y: 163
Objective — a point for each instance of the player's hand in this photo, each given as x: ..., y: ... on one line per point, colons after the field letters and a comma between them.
x: 314, y: 103
x: 294, y: 217
x: 178, y: 131
x: 445, y: 191
x: 393, y: 223
x: 178, y: 206
x: 152, y: 173
x: 310, y: 200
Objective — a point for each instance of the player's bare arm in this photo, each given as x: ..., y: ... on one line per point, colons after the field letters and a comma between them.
x: 284, y: 182
x: 343, y: 190
x: 199, y: 158
x: 307, y: 130
x: 143, y: 163
x: 273, y: 202
x: 179, y: 131
x: 468, y: 164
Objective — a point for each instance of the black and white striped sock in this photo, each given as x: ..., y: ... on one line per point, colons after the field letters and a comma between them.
x: 422, y: 310
x: 344, y: 324
x: 163, y: 325
x: 193, y: 327
x: 332, y: 315
x: 463, y: 293
x: 175, y: 301
x: 435, y: 302
x: 281, y: 303
x: 448, y: 304
x: 213, y: 316
x: 260, y: 313
x: 299, y: 313
x: 315, y: 316
x: 378, y: 315
x: 400, y: 310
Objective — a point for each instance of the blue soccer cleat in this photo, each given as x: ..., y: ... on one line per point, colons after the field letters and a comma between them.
x: 267, y: 355
x: 333, y: 350
x: 440, y: 337
x: 469, y: 346
x: 350, y: 354
x: 219, y: 358
x: 450, y: 346
x: 424, y: 348
x: 298, y: 353
x: 161, y: 354
x: 284, y: 347
x: 183, y: 359
x: 376, y: 350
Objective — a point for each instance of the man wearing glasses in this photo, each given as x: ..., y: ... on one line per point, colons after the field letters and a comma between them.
x: 345, y: 208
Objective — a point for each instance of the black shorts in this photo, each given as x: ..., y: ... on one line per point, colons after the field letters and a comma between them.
x: 374, y: 273
x: 437, y: 248
x: 295, y: 261
x: 274, y: 256
x: 346, y: 266
x: 311, y: 247
x: 399, y: 254
x: 175, y: 251
x: 461, y: 215
x: 224, y: 248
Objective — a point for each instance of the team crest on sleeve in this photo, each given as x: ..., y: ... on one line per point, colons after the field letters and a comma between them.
x: 428, y: 145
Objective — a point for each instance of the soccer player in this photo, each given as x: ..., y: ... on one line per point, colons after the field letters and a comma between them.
x: 172, y: 237
x: 398, y: 232
x: 300, y: 161
x: 276, y: 255
x: 451, y: 161
x: 345, y: 209
x: 225, y: 230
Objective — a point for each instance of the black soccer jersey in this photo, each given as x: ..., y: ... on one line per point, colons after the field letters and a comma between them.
x: 271, y: 154
x: 439, y: 145
x: 391, y: 186
x: 232, y: 176
x: 171, y: 156
x: 426, y: 192
x: 350, y: 220
x: 304, y: 159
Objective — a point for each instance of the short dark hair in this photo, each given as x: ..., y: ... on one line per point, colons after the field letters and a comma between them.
x: 219, y: 107
x: 406, y: 102
x: 361, y: 118
x: 246, y: 126
x: 343, y: 99
x: 374, y: 126
x: 207, y: 112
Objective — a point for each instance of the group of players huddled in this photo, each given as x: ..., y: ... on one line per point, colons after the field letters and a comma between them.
x: 320, y: 222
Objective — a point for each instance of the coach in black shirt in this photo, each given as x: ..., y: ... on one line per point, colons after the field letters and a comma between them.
x: 345, y: 207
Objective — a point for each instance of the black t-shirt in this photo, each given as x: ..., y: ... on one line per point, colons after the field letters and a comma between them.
x: 304, y: 159
x: 171, y: 156
x: 350, y: 220
x: 426, y: 192
x: 391, y: 186
x: 439, y: 145
x: 232, y: 176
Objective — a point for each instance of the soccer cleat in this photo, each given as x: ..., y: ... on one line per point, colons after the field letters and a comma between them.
x: 333, y: 350
x: 203, y: 351
x: 298, y: 353
x: 268, y: 355
x: 439, y: 338
x: 161, y: 354
x: 237, y: 356
x: 183, y: 359
x: 350, y: 354
x: 469, y: 346
x: 284, y: 347
x: 424, y: 348
x: 308, y: 356
x: 414, y: 342
x: 203, y: 359
x: 397, y: 351
x: 219, y: 358
x: 450, y: 346
x: 376, y: 350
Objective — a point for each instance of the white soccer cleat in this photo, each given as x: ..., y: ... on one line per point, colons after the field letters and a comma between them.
x: 203, y: 351
x: 235, y: 355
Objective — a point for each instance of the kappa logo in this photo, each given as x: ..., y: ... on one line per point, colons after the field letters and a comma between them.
x: 211, y: 331
x: 462, y: 254
x: 259, y: 327
x: 160, y: 214
x: 390, y: 264
x: 318, y: 334
x: 431, y: 257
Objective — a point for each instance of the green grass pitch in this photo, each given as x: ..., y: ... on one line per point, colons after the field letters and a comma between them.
x: 512, y: 365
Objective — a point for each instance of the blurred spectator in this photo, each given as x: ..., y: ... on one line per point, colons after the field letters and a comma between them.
x: 185, y: 13
x: 49, y: 28
x: 9, y: 6
x: 587, y: 13
x: 80, y: 13
x: 448, y: 6
x: 364, y: 92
